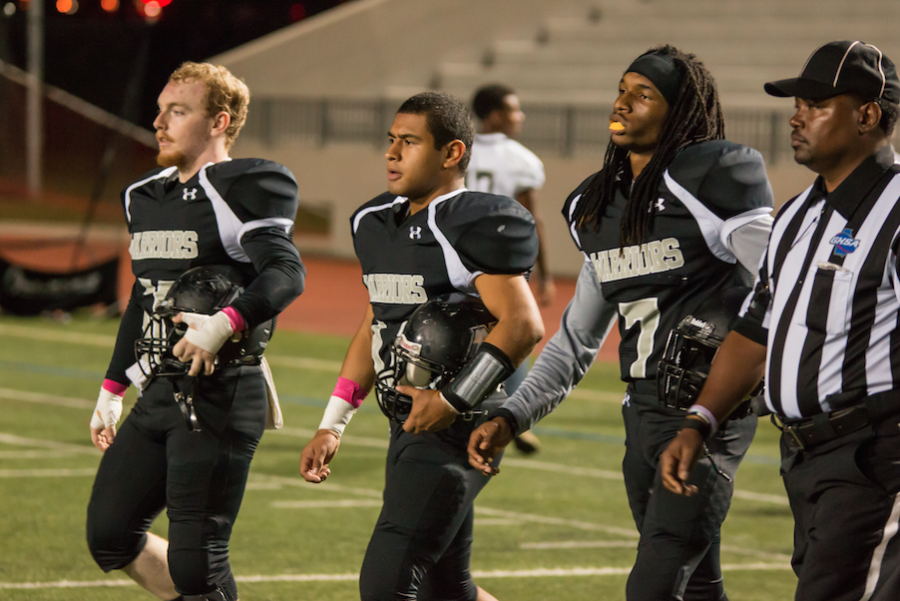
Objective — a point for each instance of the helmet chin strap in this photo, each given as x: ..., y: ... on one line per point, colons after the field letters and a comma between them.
x: 184, y: 398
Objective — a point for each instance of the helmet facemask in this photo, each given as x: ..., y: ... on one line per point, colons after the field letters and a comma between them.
x: 685, y: 365
x: 203, y: 290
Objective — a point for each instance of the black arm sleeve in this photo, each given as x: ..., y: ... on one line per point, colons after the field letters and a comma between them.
x: 265, y: 194
x: 130, y: 329
x: 281, y: 275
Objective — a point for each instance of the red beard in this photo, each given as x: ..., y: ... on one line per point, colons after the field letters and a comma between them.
x: 170, y: 159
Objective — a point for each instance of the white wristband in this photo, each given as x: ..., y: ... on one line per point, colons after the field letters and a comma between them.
x: 108, y: 411
x: 337, y: 415
x: 212, y: 331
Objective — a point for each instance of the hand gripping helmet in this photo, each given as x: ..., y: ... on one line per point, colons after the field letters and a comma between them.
x: 693, y: 344
x: 204, y: 290
x: 437, y: 341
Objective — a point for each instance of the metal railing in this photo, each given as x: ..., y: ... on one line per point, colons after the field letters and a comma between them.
x: 549, y: 129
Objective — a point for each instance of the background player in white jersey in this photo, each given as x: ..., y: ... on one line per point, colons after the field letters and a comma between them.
x: 501, y: 165
x: 202, y: 223
x: 676, y: 219
x: 425, y: 238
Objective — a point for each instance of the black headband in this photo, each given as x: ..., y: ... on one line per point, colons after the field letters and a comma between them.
x: 662, y: 73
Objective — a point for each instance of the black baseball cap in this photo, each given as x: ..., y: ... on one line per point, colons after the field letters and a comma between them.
x: 841, y: 68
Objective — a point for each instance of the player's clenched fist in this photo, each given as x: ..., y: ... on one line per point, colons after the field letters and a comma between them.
x: 318, y: 454
x: 487, y: 442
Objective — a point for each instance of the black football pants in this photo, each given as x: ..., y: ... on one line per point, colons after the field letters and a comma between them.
x: 199, y: 477
x: 678, y: 552
x: 844, y: 496
x: 422, y: 542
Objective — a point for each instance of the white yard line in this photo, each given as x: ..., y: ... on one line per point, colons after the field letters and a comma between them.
x: 767, y: 555
x: 48, y: 444
x: 34, y: 454
x: 536, y: 573
x: 761, y: 497
x: 630, y: 544
x: 555, y: 521
x: 326, y: 504
x: 52, y: 335
x: 582, y: 544
x: 46, y: 399
x: 48, y: 473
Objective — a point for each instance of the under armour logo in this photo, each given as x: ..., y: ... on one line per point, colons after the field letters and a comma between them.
x: 659, y: 204
x: 415, y: 232
x: 189, y: 194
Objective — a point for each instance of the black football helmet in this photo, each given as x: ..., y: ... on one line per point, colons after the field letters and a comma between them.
x: 692, y: 345
x: 437, y: 341
x: 204, y: 290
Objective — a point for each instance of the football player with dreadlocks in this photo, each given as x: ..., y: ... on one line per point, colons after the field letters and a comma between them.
x: 676, y: 217
x: 214, y: 263
x: 424, y: 239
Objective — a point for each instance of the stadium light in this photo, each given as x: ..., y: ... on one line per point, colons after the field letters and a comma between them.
x: 69, y: 7
x: 152, y: 9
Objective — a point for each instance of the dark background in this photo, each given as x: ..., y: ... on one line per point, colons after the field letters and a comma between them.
x: 96, y: 55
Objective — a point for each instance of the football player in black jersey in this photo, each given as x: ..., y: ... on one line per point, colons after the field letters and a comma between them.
x: 676, y: 216
x: 426, y: 237
x: 200, y: 209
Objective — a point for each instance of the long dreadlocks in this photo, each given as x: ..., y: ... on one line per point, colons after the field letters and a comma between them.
x: 696, y: 116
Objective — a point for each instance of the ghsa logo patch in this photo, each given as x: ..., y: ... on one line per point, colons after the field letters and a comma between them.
x: 844, y: 243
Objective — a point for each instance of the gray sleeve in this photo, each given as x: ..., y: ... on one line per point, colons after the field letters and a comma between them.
x: 568, y: 355
x: 748, y: 242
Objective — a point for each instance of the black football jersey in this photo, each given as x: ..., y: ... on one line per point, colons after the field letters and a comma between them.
x: 238, y: 212
x: 175, y: 226
x: 409, y: 259
x: 708, y: 191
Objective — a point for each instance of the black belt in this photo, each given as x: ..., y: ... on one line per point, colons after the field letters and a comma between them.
x: 812, y: 431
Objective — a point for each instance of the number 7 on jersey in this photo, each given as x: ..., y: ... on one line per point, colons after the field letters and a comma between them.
x: 644, y: 312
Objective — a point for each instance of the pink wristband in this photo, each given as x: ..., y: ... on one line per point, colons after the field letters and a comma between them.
x: 350, y: 391
x: 703, y: 411
x: 114, y: 387
x: 237, y: 322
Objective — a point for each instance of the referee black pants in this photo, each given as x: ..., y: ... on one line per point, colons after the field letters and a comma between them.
x: 678, y: 552
x: 422, y: 542
x: 844, y: 496
x: 198, y: 477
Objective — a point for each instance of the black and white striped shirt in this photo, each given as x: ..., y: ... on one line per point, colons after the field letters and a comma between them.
x: 827, y: 299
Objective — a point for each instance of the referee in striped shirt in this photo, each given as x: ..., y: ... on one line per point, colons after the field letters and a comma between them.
x: 823, y: 323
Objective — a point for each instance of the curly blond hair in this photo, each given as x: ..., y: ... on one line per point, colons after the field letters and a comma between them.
x: 225, y: 92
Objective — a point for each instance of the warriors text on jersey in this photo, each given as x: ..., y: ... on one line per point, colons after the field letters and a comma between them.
x: 500, y: 165
x: 238, y: 212
x: 708, y: 191
x: 408, y: 259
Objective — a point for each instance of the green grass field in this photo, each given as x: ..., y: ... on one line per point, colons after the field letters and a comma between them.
x: 553, y: 527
